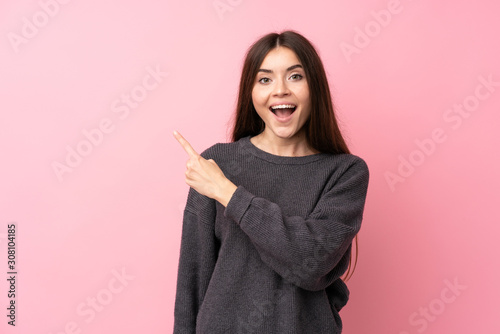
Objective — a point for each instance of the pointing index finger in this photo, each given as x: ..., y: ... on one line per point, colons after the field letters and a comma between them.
x: 185, y: 144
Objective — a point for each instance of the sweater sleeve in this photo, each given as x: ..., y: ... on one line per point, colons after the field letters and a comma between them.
x: 198, y: 256
x: 305, y: 251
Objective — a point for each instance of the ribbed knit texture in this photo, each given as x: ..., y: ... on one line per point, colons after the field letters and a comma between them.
x: 271, y: 261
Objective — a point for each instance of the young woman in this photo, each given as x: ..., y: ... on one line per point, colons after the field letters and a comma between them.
x: 271, y: 216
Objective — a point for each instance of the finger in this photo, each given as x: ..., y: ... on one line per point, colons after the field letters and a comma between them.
x: 185, y: 144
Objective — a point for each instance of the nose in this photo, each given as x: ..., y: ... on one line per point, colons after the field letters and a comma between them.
x: 281, y: 88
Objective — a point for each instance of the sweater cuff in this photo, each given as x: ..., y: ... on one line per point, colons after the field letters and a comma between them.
x: 238, y: 204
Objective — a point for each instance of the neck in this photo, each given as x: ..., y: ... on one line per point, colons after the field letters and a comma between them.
x: 295, y: 146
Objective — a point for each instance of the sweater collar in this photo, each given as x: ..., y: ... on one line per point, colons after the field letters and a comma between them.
x: 247, y: 145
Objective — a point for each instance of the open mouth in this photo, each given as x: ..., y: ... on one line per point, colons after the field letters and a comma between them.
x: 283, y: 110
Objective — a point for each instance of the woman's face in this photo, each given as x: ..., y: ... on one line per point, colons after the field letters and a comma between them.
x: 280, y: 93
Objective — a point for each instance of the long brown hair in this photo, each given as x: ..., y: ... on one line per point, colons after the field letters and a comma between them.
x: 322, y: 130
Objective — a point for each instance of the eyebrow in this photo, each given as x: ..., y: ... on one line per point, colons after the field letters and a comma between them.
x: 288, y: 69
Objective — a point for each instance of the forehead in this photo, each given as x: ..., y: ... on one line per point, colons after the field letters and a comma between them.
x: 280, y: 58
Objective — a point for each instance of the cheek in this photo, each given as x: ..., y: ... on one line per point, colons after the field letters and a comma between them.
x: 304, y: 94
x: 306, y: 103
x: 258, y: 99
x: 254, y: 96
x: 305, y: 98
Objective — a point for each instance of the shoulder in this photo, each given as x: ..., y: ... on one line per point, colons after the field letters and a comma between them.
x: 220, y: 151
x: 348, y: 162
x: 358, y: 163
x: 349, y: 170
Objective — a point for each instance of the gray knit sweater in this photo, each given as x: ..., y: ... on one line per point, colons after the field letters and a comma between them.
x: 271, y: 261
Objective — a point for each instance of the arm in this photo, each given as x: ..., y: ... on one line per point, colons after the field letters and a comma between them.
x: 305, y: 251
x: 198, y: 256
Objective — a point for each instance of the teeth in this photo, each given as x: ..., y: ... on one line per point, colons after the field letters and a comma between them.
x: 283, y: 106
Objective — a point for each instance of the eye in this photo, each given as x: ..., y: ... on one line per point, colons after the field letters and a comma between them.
x: 264, y: 80
x: 296, y: 76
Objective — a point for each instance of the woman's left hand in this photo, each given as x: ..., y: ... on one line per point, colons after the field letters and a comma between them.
x: 205, y: 176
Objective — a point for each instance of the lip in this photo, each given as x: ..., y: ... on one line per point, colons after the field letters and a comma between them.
x: 282, y: 119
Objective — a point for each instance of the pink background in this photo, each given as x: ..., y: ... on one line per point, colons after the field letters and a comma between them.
x: 432, y: 224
